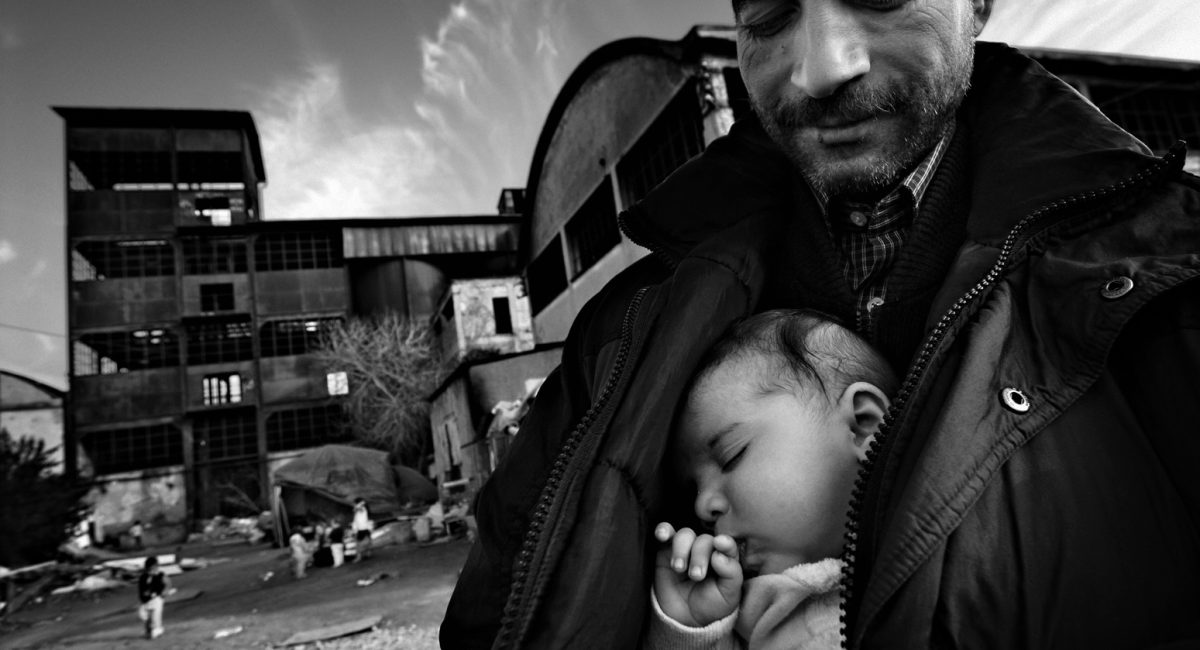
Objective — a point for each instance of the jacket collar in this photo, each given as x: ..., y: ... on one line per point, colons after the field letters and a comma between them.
x: 1032, y: 140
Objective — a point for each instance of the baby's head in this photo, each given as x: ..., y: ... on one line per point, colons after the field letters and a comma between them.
x: 775, y: 422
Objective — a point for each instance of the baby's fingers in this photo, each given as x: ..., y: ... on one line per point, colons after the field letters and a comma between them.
x: 681, y: 549
x: 725, y: 562
x: 702, y: 551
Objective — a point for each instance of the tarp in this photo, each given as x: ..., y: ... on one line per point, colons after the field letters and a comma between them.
x: 325, y: 481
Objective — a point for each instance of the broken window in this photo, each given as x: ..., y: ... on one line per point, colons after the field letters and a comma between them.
x: 214, y: 255
x: 299, y: 336
x: 122, y: 450
x: 216, y: 297
x: 224, y: 388
x: 225, y: 434
x: 106, y: 353
x: 110, y: 260
x: 593, y: 231
x: 214, y: 209
x: 305, y: 427
x: 119, y: 159
x: 292, y: 251
x: 219, y: 340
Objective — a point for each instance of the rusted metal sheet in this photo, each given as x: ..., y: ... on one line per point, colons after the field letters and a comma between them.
x: 428, y: 239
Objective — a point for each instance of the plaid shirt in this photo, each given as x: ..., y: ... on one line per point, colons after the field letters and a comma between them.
x: 869, y: 237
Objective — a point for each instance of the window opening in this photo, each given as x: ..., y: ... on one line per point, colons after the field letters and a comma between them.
x: 305, y: 427
x: 216, y: 297
x: 293, y: 251
x: 135, y: 448
x: 675, y: 136
x: 503, y: 315
x: 593, y: 230
x: 110, y: 260
x: 219, y: 340
x: 301, y: 336
x: 546, y: 276
x: 225, y: 434
x: 225, y: 388
x: 107, y: 353
x: 214, y: 255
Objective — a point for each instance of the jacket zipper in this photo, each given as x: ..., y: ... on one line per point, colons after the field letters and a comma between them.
x: 518, y: 611
x: 859, y: 506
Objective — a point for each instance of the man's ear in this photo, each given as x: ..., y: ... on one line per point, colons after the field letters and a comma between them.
x: 982, y: 10
x: 865, y: 405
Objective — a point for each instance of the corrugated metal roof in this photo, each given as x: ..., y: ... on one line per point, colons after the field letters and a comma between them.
x: 428, y: 239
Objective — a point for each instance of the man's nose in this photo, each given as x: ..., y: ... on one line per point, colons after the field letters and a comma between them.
x: 831, y: 46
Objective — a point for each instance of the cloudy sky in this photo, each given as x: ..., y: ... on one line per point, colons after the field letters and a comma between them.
x: 365, y: 107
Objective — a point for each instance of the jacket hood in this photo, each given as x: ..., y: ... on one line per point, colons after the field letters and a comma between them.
x: 1032, y: 139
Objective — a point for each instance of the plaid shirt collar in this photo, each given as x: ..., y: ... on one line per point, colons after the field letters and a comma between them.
x: 884, y: 213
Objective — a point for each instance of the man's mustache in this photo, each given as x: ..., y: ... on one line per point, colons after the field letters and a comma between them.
x: 848, y: 104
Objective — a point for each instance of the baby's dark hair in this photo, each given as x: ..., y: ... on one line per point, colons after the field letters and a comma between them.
x: 809, y: 349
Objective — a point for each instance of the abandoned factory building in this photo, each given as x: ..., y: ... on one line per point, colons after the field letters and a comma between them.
x: 192, y: 319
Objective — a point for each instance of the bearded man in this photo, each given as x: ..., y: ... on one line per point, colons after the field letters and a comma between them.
x: 1027, y: 266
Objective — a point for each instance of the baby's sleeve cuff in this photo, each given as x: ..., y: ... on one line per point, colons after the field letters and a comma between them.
x: 665, y: 633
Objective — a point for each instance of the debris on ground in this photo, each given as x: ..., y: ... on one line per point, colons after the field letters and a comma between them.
x: 229, y: 631
x: 90, y: 583
x: 225, y: 530
x: 367, y: 582
x: 333, y: 631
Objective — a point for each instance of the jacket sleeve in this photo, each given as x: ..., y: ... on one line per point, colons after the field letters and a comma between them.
x: 502, y: 507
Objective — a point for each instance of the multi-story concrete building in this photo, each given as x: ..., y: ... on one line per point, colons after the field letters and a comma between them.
x: 192, y: 320
x: 636, y: 109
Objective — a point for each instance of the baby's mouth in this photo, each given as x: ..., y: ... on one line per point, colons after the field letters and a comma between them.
x: 750, y: 566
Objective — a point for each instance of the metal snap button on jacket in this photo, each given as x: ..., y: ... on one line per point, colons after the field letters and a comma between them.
x: 1014, y: 400
x: 1116, y: 287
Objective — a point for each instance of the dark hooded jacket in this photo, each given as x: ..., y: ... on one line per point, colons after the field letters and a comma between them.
x: 1034, y: 483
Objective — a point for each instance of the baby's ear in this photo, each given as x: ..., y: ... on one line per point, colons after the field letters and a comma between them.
x: 865, y: 405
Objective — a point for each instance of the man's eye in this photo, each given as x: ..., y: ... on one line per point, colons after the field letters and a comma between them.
x: 732, y: 461
x: 763, y: 24
x: 882, y: 5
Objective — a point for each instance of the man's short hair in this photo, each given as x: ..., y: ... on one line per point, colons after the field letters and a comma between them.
x: 806, y: 348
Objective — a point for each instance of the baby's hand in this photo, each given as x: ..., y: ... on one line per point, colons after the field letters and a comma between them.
x: 697, y: 579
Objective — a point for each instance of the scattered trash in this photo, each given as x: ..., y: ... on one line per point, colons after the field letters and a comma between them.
x: 179, y: 595
x: 90, y: 583
x: 333, y: 631
x: 267, y: 576
x: 223, y: 530
x: 229, y: 631
x: 367, y: 582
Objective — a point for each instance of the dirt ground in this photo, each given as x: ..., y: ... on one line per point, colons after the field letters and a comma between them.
x: 250, y: 586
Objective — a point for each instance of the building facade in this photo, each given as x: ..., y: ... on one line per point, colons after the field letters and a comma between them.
x: 192, y: 321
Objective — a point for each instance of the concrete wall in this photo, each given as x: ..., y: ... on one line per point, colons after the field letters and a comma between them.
x: 157, y: 497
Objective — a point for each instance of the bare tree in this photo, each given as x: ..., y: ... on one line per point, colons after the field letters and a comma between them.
x: 391, y: 366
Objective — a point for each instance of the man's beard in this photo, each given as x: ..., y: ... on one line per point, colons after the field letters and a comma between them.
x: 926, y: 105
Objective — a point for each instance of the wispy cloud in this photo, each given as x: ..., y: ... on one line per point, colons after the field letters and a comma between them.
x: 8, y: 252
x: 489, y: 74
x: 10, y: 38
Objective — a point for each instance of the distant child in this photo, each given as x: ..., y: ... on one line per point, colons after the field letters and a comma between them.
x: 137, y: 531
x: 774, y: 426
x: 362, y: 530
x: 152, y: 586
x: 299, y: 547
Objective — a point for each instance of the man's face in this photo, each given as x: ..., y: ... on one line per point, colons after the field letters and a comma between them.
x: 774, y: 471
x: 855, y: 92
